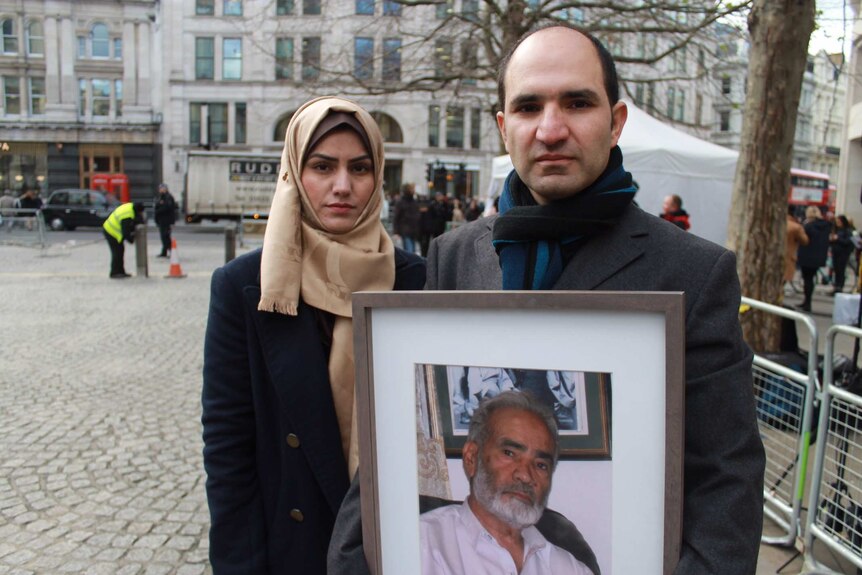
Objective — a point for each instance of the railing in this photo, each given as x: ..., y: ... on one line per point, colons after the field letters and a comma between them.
x: 22, y: 223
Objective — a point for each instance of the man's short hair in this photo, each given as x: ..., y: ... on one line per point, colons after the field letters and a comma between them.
x: 480, y: 431
x: 609, y: 68
x: 677, y: 201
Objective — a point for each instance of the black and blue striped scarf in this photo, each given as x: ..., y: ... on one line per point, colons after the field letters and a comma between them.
x: 534, y: 242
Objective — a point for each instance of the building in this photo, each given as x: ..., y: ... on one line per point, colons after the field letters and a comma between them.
x: 821, y: 104
x: 80, y: 88
x: 850, y: 170
x: 236, y: 71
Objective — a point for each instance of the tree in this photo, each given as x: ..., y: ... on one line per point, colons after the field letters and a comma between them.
x: 779, y: 33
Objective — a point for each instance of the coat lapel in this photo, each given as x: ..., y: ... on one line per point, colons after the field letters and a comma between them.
x: 487, y: 263
x: 297, y: 368
x: 605, y: 255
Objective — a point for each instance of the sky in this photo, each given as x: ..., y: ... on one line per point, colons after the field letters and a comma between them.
x: 830, y: 33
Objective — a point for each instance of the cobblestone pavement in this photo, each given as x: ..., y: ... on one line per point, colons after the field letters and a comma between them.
x: 100, y: 448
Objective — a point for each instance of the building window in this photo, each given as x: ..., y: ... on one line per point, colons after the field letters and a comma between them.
x: 698, y: 109
x: 204, y: 58
x: 470, y: 10
x: 671, y: 93
x: 100, y: 95
x: 12, y: 95
x: 363, y: 58
x: 82, y: 97
x: 283, y: 7
x: 194, y: 123
x: 205, y: 7
x: 724, y: 121
x: 434, y: 126
x: 311, y: 7
x: 118, y: 97
x: 233, y: 7
x: 445, y: 9
x: 391, y: 59
x: 100, y: 43
x: 239, y: 124
x: 311, y: 58
x: 365, y: 7
x: 650, y: 97
x: 10, y: 39
x: 82, y: 47
x: 469, y: 61
x: 443, y: 58
x: 639, y: 95
x: 281, y: 127
x: 118, y: 48
x: 389, y: 127
x: 283, y: 58
x: 391, y: 8
x: 475, y: 128
x: 217, y: 123
x: 680, y: 105
x: 37, y: 96
x: 35, y: 38
x: 454, y: 127
x: 232, y: 59
x: 725, y: 85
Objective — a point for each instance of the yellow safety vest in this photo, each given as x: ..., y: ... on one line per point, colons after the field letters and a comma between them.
x: 114, y: 224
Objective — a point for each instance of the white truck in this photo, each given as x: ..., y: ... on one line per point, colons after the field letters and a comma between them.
x: 225, y: 185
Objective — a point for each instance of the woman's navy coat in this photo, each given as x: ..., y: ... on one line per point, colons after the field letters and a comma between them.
x: 276, y: 473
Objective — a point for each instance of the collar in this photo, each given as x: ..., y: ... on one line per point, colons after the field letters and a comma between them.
x: 534, y: 541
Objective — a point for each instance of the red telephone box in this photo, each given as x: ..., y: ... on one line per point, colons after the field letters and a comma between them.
x: 116, y: 185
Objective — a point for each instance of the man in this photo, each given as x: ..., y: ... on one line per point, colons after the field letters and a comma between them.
x: 405, y: 222
x: 672, y: 211
x: 119, y: 227
x: 509, y: 459
x: 165, y: 208
x: 567, y: 222
x: 30, y: 203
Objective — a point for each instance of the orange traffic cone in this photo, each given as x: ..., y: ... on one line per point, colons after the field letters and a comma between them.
x: 176, y: 268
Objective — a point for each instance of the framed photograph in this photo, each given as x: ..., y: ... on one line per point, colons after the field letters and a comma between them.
x: 610, y: 365
x: 580, y: 402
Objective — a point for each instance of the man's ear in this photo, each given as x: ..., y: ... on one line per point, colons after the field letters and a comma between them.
x: 501, y: 125
x: 619, y: 115
x: 469, y: 455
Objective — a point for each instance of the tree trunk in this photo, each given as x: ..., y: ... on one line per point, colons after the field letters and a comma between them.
x: 779, y: 31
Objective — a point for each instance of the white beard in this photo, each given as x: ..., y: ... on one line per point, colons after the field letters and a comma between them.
x: 513, y: 511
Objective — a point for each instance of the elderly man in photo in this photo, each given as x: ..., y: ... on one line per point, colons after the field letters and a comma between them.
x: 509, y: 459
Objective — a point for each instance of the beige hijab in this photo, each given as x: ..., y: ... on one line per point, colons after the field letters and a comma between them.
x: 301, y: 259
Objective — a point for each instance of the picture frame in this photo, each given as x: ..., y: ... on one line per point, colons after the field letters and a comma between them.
x: 628, y: 507
x: 584, y: 423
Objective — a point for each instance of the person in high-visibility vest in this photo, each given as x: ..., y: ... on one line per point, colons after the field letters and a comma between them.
x: 119, y: 227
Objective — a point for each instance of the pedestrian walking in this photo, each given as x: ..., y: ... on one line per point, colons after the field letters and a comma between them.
x: 841, y: 244
x: 166, y: 215
x: 280, y: 444
x: 794, y: 237
x: 120, y: 227
x: 406, y: 219
x: 812, y: 256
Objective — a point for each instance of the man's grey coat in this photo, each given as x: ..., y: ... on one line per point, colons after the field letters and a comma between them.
x: 724, y: 459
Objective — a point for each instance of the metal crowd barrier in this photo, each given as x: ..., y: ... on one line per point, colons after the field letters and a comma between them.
x: 835, y: 501
x: 17, y: 221
x: 785, y: 404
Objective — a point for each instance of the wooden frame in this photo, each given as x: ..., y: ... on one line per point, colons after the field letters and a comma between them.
x: 629, y: 508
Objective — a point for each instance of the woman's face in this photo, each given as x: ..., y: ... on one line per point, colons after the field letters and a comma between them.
x: 338, y: 177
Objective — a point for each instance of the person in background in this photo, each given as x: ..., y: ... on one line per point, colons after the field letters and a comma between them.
x: 406, y: 219
x: 166, y: 214
x: 795, y: 236
x: 119, y: 227
x: 812, y: 256
x: 841, y: 244
x: 673, y: 212
x: 474, y: 212
x: 31, y: 202
x: 280, y: 444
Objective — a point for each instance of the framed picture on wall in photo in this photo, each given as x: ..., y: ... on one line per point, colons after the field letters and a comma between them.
x: 608, y: 366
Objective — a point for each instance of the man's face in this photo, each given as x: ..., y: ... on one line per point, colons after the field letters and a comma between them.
x: 557, y: 122
x: 511, y: 474
x: 668, y: 205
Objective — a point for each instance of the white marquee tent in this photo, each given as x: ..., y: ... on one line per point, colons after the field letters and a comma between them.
x: 663, y: 161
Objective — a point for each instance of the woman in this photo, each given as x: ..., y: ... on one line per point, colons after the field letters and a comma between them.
x: 841, y: 244
x: 812, y: 256
x: 279, y: 445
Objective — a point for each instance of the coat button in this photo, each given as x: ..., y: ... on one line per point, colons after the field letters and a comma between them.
x: 293, y: 440
x: 296, y: 515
